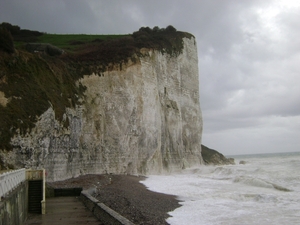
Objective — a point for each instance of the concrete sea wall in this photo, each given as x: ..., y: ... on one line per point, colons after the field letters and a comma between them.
x: 14, y: 206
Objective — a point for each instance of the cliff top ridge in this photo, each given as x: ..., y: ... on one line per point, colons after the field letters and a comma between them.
x: 115, y: 48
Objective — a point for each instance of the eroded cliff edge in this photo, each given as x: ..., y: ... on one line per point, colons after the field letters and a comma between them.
x: 139, y: 118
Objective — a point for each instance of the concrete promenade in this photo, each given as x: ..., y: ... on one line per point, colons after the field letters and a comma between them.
x: 63, y: 211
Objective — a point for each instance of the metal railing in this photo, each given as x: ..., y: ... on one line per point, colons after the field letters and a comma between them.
x: 10, y: 180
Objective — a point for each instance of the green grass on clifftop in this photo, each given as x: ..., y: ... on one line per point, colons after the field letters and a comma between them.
x: 70, y: 42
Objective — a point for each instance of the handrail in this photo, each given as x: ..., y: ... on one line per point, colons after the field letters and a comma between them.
x: 10, y: 180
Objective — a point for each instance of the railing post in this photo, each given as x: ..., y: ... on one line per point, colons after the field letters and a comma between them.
x: 44, y: 193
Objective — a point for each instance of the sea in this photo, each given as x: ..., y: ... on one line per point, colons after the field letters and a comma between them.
x: 259, y: 189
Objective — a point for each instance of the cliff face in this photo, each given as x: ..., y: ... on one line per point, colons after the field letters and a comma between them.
x: 143, y: 118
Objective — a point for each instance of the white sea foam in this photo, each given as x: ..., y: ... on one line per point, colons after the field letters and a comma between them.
x: 265, y: 190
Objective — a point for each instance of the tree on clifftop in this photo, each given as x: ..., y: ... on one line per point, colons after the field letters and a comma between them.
x: 170, y: 28
x: 6, y: 41
x: 13, y: 29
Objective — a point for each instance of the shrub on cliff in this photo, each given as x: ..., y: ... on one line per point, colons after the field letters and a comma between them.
x: 6, y: 41
x: 170, y: 28
x: 19, y: 34
x: 13, y: 29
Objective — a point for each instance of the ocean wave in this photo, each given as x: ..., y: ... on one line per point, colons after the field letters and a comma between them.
x: 257, y: 198
x: 257, y: 182
x: 223, y: 171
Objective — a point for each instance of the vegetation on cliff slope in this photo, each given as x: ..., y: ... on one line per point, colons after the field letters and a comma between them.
x: 32, y: 82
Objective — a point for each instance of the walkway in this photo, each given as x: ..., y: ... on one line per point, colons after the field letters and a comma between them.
x: 63, y: 211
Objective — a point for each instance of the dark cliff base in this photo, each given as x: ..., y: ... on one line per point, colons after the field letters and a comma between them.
x: 213, y: 157
x: 127, y: 196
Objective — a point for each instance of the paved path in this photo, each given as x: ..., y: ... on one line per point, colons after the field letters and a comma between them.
x: 63, y: 211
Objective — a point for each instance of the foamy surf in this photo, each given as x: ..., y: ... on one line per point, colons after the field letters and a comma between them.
x: 265, y: 190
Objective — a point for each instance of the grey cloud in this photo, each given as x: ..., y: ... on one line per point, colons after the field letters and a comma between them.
x: 49, y: 16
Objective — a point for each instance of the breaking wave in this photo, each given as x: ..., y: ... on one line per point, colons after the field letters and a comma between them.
x: 255, y: 177
x: 257, y: 182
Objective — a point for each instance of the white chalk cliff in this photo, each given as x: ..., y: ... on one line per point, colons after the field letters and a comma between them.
x: 143, y: 118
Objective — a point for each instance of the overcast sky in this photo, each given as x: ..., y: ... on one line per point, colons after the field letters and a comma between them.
x: 249, y: 58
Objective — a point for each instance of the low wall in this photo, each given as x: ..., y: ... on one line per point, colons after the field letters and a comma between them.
x: 103, y: 213
x: 14, y: 206
x: 9, y: 180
